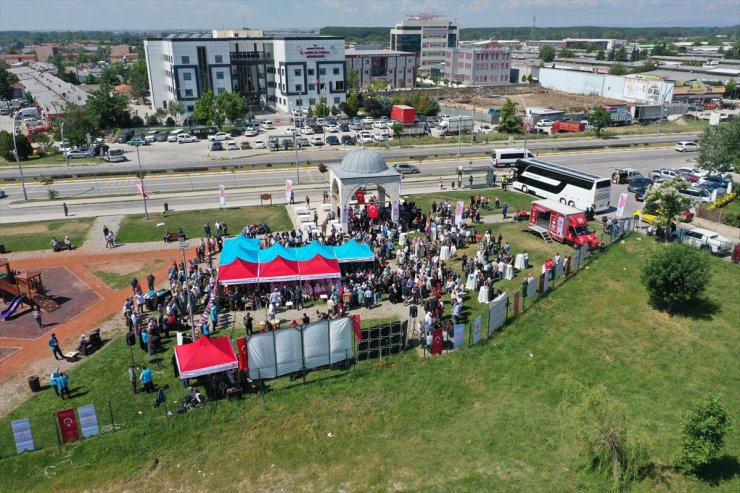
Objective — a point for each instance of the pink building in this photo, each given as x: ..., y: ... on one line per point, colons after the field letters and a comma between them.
x: 484, y: 63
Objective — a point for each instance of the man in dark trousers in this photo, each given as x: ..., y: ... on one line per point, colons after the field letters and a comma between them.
x: 105, y: 232
x: 150, y: 281
x: 54, y: 346
x: 37, y: 316
x: 66, y: 209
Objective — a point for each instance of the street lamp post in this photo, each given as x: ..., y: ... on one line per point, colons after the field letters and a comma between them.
x: 141, y: 179
x: 526, y: 130
x: 17, y: 157
x: 66, y: 154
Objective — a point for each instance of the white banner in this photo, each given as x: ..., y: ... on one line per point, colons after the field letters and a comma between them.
x: 288, y: 190
x: 531, y: 288
x: 88, y: 420
x: 288, y: 353
x: 560, y: 226
x: 459, y: 338
x: 545, y: 281
x: 497, y: 312
x: 476, y: 330
x: 621, y: 204
x: 559, y: 268
x: 316, y: 344
x: 22, y: 434
x: 222, y: 195
x: 459, y: 211
x: 395, y: 211
x: 261, y: 356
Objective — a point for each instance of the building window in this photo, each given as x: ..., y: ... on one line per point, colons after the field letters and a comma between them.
x: 299, y: 102
x: 336, y: 71
x: 191, y: 107
x: 311, y: 71
x: 185, y: 60
x: 187, y: 76
x: 339, y: 85
x: 188, y: 93
x: 219, y: 75
x: 322, y: 71
x: 311, y: 101
x: 299, y: 87
x: 297, y: 72
x: 337, y: 100
x: 312, y: 87
x: 219, y: 59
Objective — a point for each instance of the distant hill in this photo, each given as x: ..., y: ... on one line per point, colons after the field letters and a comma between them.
x: 382, y: 34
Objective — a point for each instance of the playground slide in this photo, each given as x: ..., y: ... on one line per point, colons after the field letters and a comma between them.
x: 13, y: 306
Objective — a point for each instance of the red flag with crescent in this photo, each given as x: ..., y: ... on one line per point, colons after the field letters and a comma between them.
x: 360, y: 196
x: 141, y: 190
x: 372, y: 211
x: 437, y: 341
x: 68, y: 425
x: 241, y: 345
x: 357, y: 327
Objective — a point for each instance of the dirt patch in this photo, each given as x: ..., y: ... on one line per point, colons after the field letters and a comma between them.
x: 532, y: 96
x: 124, y: 268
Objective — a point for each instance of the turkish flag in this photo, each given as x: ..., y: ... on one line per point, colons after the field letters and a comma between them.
x: 360, y: 196
x: 357, y: 328
x: 372, y: 210
x: 437, y: 341
x: 241, y: 345
x: 141, y: 190
x: 68, y: 425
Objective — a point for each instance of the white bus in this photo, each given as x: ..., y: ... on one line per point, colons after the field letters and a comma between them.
x: 576, y: 188
x: 509, y: 156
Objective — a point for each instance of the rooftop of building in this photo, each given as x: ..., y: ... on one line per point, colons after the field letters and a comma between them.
x: 383, y: 52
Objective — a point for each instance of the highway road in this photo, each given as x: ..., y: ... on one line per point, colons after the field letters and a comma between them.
x: 183, y: 191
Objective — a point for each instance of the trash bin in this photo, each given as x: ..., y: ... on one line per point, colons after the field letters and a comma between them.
x: 166, y: 207
x: 33, y: 382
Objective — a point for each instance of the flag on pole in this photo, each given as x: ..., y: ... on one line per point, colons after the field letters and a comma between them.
x: 357, y: 327
x: 141, y: 190
x: 372, y: 211
x: 360, y: 196
x: 437, y: 341
x: 222, y: 195
x: 241, y: 345
x: 621, y: 204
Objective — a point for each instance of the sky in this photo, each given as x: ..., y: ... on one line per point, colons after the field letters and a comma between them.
x: 153, y: 15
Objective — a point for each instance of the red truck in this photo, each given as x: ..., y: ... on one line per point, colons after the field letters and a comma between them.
x: 403, y: 114
x: 562, y: 223
x: 568, y: 126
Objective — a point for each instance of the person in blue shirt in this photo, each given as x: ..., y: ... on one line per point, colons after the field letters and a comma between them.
x: 53, y: 381
x: 147, y: 379
x: 54, y: 346
x: 63, y: 385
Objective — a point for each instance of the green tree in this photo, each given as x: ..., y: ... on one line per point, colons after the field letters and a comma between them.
x: 170, y: 122
x: 703, y: 433
x: 90, y: 79
x: 618, y: 69
x: 599, y: 118
x: 323, y: 169
x: 6, y: 91
x: 321, y: 110
x: 152, y: 121
x: 7, y: 149
x: 113, y: 74
x: 352, y: 105
x: 667, y: 203
x: 231, y: 104
x: 176, y: 109
x: 524, y: 77
x: 733, y: 52
x: 206, y: 111
x: 719, y: 147
x: 78, y: 123
x: 397, y: 129
x: 107, y: 108
x: 566, y: 53
x: 609, y: 450
x: 353, y: 80
x: 509, y: 122
x: 547, y: 53
x: 675, y: 275
x: 730, y: 87
x: 529, y: 77
x: 138, y: 79
x: 601, y: 55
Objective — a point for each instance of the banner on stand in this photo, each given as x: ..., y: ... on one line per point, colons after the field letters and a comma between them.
x: 68, y: 425
x: 476, y: 330
x: 88, y: 420
x: 22, y: 434
x: 459, y: 335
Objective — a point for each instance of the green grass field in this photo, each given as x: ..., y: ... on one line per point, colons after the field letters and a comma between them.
x: 137, y: 229
x: 24, y: 237
x: 515, y: 200
x: 495, y: 417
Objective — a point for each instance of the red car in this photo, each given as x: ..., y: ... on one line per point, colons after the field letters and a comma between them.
x: 689, y: 176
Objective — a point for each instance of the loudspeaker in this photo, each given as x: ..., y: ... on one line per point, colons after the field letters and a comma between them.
x: 413, y: 311
x: 131, y: 339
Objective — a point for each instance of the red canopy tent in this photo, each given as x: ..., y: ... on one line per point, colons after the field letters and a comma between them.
x: 320, y: 267
x: 205, y: 356
x: 279, y: 270
x: 238, y: 272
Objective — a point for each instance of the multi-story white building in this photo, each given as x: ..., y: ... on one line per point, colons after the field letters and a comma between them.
x: 484, y: 63
x: 397, y: 68
x: 284, y: 73
x: 428, y: 36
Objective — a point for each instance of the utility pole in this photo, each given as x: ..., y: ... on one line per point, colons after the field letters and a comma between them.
x: 182, y: 245
x: 17, y: 157
x: 141, y: 179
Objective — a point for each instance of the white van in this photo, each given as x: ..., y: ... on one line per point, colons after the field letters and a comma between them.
x: 509, y: 156
x: 115, y: 155
x: 267, y: 125
x: 172, y: 137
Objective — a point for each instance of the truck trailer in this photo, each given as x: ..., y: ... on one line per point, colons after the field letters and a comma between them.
x: 454, y: 123
x: 562, y: 223
x: 567, y: 126
x: 403, y: 114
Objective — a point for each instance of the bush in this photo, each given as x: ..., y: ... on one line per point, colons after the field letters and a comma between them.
x: 137, y: 121
x: 151, y: 121
x: 722, y: 201
x: 677, y: 274
x: 703, y: 434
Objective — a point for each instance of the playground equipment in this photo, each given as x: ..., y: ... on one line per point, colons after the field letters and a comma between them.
x: 13, y: 306
x: 28, y: 284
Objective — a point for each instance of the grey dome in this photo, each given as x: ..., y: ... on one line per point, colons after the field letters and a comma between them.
x: 364, y: 162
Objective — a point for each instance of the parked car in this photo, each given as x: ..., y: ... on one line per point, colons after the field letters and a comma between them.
x: 664, y: 174
x: 172, y: 136
x: 219, y: 136
x: 355, y: 127
x: 149, y: 137
x: 701, y: 173
x: 3, y: 194
x: 689, y: 177
x: 307, y: 131
x: 332, y: 140
x: 348, y: 140
x: 316, y: 140
x: 639, y: 183
x: 368, y: 120
x: 381, y: 137
x: 82, y: 152
x: 251, y: 132
x: 302, y: 142
x: 406, y: 168
x: 686, y: 146
x: 704, y: 239
x: 696, y: 194
x: 291, y: 131
x: 267, y: 125
x: 186, y: 138
x: 160, y: 137
x: 332, y: 128
x: 624, y: 175
x: 125, y: 136
x: 232, y: 146
x: 640, y: 194
x: 115, y: 155
x: 545, y: 123
x: 258, y: 144
x: 215, y: 145
x: 365, y: 138
x: 485, y: 129
x: 235, y: 132
x: 344, y: 127
x: 138, y: 141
